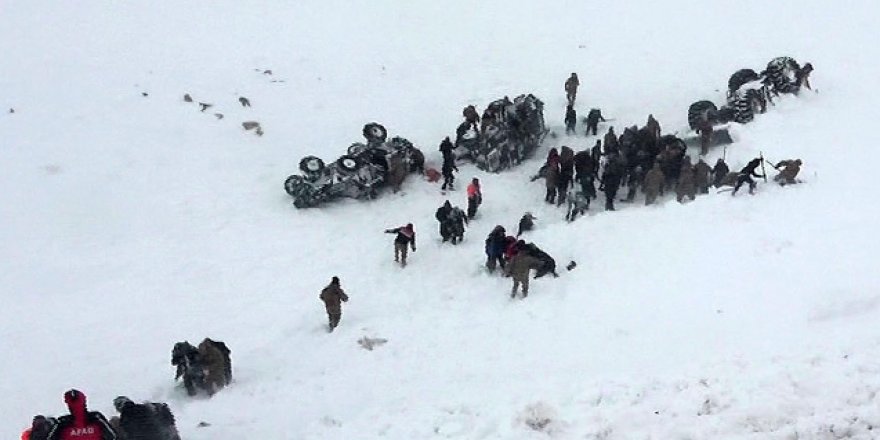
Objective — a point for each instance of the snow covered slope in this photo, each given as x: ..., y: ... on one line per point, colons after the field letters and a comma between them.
x: 130, y: 222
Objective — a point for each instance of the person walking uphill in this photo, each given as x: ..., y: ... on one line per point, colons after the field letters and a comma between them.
x: 570, y: 120
x: 571, y: 88
x: 475, y: 198
x: 448, y: 165
x: 406, y: 236
x: 81, y: 424
x: 333, y: 296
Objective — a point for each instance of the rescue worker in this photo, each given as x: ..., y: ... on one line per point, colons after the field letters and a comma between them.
x: 789, y: 172
x: 593, y: 118
x: 406, y: 236
x: 474, y: 198
x: 746, y: 174
x: 81, y: 424
x: 333, y: 296
x: 571, y: 88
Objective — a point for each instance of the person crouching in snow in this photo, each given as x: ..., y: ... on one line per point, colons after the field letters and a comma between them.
x: 406, y: 236
x: 578, y: 204
x: 519, y: 267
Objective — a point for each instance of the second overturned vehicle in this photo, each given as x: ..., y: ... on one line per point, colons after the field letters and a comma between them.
x: 508, y: 132
x: 359, y: 174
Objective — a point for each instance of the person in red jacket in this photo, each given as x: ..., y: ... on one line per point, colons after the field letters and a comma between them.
x: 81, y: 424
x: 475, y: 198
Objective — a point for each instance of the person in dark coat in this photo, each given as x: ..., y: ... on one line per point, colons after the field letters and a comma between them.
x: 633, y: 182
x: 611, y: 180
x: 686, y: 186
x: 406, y: 236
x: 612, y: 145
x: 705, y: 131
x: 570, y: 120
x: 550, y: 172
x: 788, y: 174
x: 548, y: 264
x: 593, y: 118
x: 526, y: 223
x: 746, y: 174
x: 719, y: 172
x: 566, y: 173
x: 443, y: 215
x: 40, y: 428
x: 457, y: 222
x: 144, y: 421
x: 518, y: 268
x: 448, y: 166
x: 701, y: 176
x: 81, y: 424
x: 654, y: 180
x: 333, y: 296
x: 495, y: 246
x: 571, y: 88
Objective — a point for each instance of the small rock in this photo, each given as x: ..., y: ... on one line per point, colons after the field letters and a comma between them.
x: 267, y: 72
x: 145, y: 94
x: 218, y: 115
x: 203, y: 424
x: 187, y: 98
x: 205, y: 106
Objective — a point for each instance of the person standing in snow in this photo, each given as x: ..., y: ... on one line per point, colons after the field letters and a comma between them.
x: 333, y: 296
x: 566, y: 173
x: 593, y: 118
x: 746, y: 174
x: 611, y: 180
x: 571, y: 88
x: 701, y: 176
x: 81, y: 424
x: 686, y: 185
x: 448, y: 164
x: 719, y: 172
x: 550, y: 173
x: 570, y: 120
x: 705, y: 131
x: 612, y: 146
x: 406, y: 236
x: 653, y: 127
x: 443, y: 215
x: 495, y: 246
x: 474, y: 197
x: 519, y: 267
x: 654, y: 180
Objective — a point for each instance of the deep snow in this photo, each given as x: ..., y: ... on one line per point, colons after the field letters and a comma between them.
x: 133, y: 222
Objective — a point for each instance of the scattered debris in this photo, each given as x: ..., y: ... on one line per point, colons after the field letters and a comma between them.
x: 253, y: 125
x: 145, y: 94
x: 571, y: 265
x: 187, y: 98
x: 267, y: 72
x: 203, y: 424
x: 369, y: 343
x: 11, y: 110
x: 205, y: 106
x: 218, y: 115
x: 244, y: 101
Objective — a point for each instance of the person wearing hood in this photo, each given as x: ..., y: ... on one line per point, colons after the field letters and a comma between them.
x: 443, y: 216
x: 333, y: 296
x: 81, y: 424
x: 526, y: 223
x: 406, y: 236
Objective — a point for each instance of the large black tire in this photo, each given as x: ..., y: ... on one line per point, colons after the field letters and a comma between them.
x: 781, y: 73
x: 292, y: 183
x: 739, y: 78
x: 357, y: 149
x: 701, y: 111
x: 742, y: 108
x: 349, y: 164
x: 375, y: 133
x: 311, y: 165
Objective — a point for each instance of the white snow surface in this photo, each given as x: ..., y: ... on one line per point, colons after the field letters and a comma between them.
x: 132, y: 222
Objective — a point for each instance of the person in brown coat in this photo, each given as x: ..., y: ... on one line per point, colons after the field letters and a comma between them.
x: 701, y: 176
x: 333, y: 296
x: 571, y: 88
x: 653, y: 183
x: 396, y: 172
x: 519, y: 267
x: 214, y: 363
x: 705, y: 131
x: 686, y: 184
x: 790, y: 170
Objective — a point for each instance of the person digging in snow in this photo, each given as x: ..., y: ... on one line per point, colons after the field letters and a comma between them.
x: 406, y: 236
x: 746, y: 174
x: 526, y: 223
x: 519, y: 267
x: 789, y: 172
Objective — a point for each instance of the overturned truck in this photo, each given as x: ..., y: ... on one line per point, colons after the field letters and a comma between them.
x: 509, y: 132
x: 359, y: 174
